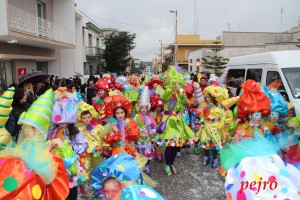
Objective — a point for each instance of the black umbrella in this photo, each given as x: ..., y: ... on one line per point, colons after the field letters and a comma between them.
x: 33, y: 77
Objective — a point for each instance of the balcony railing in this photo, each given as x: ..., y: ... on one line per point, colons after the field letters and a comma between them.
x: 25, y: 22
x: 93, y: 51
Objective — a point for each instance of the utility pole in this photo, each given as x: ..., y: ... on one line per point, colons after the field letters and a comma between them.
x: 161, y: 56
x: 228, y: 24
x: 281, y: 12
x: 176, y: 46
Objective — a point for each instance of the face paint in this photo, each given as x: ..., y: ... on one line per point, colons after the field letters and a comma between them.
x: 256, y: 115
x: 274, y: 114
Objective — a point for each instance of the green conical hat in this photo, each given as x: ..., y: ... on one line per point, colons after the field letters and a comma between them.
x: 5, y: 105
x: 39, y: 113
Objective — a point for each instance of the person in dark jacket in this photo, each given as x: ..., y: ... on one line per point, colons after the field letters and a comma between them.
x: 90, y: 92
x: 19, y: 105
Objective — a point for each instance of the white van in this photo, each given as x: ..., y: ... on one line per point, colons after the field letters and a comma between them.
x: 268, y: 67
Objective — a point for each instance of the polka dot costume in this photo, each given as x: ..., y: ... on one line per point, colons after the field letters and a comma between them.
x: 265, y: 177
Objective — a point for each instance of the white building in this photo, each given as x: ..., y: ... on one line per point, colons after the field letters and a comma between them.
x: 37, y: 35
x: 244, y: 43
x: 89, y: 45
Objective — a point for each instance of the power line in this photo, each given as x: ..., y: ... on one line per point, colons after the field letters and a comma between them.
x: 141, y: 26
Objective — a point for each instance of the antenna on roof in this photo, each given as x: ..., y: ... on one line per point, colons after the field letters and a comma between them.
x: 281, y: 12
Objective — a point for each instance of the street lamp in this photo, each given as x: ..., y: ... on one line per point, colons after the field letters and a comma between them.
x: 161, y: 56
x: 175, y: 59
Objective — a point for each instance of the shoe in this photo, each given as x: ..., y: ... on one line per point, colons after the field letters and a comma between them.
x: 196, y: 150
x: 168, y: 170
x: 214, y: 163
x: 206, y: 160
x: 178, y: 154
x: 173, y: 170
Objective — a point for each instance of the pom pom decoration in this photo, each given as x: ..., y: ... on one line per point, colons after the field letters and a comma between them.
x: 156, y: 101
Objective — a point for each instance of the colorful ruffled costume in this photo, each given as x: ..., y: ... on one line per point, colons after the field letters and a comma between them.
x: 147, y: 127
x: 176, y: 132
x: 128, y: 130
x: 37, y: 173
x: 65, y: 112
x: 253, y: 100
x: 263, y: 177
x: 211, y: 133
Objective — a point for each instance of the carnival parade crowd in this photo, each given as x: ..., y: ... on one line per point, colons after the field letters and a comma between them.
x: 59, y: 137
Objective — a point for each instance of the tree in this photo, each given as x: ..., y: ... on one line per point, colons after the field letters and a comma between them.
x: 117, y: 51
x: 215, y: 62
x: 167, y: 61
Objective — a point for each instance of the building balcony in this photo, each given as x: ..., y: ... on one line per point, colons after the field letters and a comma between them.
x: 29, y: 29
x: 24, y: 22
x: 93, y: 51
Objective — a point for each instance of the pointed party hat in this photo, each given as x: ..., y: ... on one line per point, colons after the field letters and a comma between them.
x: 39, y: 113
x: 230, y: 102
x: 5, y: 105
x: 145, y: 97
x: 5, y: 108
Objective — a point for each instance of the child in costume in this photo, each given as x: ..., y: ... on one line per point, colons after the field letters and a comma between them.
x: 30, y: 171
x: 211, y: 133
x: 65, y: 133
x: 125, y: 131
x: 147, y: 129
x: 279, y: 109
x: 176, y: 132
x: 103, y: 86
x: 119, y: 177
x: 157, y: 112
x: 253, y: 104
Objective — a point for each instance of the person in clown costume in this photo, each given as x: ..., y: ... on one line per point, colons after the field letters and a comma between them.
x: 253, y: 104
x: 175, y: 132
x: 66, y: 134
x: 37, y: 173
x: 103, y: 86
x: 124, y: 131
x: 157, y: 106
x: 147, y: 128
x: 120, y: 177
x: 211, y: 133
x: 279, y: 109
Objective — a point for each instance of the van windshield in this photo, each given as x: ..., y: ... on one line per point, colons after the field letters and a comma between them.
x: 292, y: 76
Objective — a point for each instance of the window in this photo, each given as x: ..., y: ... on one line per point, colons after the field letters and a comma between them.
x: 191, y: 68
x: 90, y: 40
x: 236, y: 73
x: 292, y: 76
x: 97, y: 42
x: 254, y: 74
x: 191, y: 60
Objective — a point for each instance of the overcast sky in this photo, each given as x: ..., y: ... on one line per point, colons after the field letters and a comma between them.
x: 151, y: 20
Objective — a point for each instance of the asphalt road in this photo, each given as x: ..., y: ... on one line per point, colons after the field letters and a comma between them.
x: 193, y: 181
